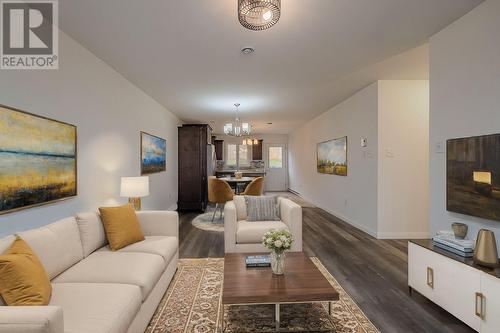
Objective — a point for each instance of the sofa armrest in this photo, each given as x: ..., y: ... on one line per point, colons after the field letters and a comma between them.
x: 230, y: 221
x: 31, y: 319
x: 159, y: 223
x: 291, y: 215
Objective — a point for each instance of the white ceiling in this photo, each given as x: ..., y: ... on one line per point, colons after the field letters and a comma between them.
x: 186, y: 53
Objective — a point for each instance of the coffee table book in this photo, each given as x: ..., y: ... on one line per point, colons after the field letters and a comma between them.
x: 258, y: 261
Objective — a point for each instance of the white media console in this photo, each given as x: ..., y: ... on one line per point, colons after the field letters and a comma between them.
x: 469, y: 292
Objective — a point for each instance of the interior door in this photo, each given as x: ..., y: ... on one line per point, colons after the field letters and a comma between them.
x: 275, y: 159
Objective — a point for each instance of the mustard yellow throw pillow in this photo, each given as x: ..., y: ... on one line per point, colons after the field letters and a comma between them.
x: 121, y: 225
x: 23, y: 280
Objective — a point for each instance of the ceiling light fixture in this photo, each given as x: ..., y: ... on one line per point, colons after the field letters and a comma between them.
x: 259, y: 14
x: 237, y: 128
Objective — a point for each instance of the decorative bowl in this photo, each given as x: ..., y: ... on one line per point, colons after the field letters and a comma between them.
x: 460, y: 230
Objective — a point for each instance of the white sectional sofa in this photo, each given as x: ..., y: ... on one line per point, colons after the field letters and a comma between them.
x: 241, y: 235
x: 95, y: 290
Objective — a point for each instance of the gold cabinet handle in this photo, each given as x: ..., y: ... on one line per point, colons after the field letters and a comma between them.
x: 480, y: 305
x: 430, y: 277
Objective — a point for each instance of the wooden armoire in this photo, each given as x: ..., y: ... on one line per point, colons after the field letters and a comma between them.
x: 194, y: 141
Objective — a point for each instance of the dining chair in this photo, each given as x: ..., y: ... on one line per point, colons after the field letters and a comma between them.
x: 219, y: 192
x: 255, y: 188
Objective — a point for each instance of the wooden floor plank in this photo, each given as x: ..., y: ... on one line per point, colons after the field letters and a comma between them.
x: 372, y: 271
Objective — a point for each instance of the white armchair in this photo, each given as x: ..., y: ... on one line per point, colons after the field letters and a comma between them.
x: 243, y: 236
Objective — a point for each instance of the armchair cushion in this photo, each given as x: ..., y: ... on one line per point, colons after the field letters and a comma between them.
x: 252, y: 232
x: 241, y: 207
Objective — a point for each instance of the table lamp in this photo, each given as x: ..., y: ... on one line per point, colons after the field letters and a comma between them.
x: 134, y: 188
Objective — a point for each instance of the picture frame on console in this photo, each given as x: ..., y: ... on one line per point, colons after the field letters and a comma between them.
x: 39, y: 160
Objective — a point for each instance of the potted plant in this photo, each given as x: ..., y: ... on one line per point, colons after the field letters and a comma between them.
x: 278, y: 241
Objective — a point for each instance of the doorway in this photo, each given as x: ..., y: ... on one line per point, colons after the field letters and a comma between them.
x: 275, y: 159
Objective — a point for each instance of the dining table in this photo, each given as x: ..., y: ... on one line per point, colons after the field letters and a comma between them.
x: 239, y: 184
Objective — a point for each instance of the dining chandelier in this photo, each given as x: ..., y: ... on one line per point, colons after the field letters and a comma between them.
x: 259, y: 14
x: 237, y: 128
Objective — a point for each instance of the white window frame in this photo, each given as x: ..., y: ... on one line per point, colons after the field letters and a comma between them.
x: 238, y: 165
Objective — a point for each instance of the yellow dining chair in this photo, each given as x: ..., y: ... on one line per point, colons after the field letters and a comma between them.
x: 255, y: 188
x: 219, y: 192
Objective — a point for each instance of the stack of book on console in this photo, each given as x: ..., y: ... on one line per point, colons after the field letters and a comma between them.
x: 448, y: 242
x: 258, y: 261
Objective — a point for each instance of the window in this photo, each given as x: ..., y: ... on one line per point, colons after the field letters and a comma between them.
x: 275, y: 157
x: 243, y: 156
x: 238, y: 155
x: 231, y: 155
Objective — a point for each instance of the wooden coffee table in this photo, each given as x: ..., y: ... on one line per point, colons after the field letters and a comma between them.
x: 301, y: 283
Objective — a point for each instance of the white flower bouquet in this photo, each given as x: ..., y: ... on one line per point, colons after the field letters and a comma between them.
x: 277, y: 241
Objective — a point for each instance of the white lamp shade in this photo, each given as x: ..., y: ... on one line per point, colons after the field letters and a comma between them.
x: 134, y: 187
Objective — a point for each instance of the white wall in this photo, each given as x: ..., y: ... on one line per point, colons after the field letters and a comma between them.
x: 385, y: 192
x: 109, y: 112
x: 403, y: 169
x: 352, y: 198
x: 464, y: 99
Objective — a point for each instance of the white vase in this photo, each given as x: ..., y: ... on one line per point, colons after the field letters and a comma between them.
x: 278, y: 263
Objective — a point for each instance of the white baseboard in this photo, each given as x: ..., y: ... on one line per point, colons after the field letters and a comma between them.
x: 340, y: 216
x: 402, y: 235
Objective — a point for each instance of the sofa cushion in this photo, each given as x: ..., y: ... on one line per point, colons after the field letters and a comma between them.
x: 241, y: 207
x: 58, y: 245
x: 163, y: 246
x: 91, y: 232
x: 121, y: 225
x: 96, y: 308
x: 252, y: 232
x: 23, y: 280
x: 140, y: 269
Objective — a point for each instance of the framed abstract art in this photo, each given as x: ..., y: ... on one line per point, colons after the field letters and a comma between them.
x: 38, y: 160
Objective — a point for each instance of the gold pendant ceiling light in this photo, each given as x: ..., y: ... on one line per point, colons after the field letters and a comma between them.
x: 259, y: 14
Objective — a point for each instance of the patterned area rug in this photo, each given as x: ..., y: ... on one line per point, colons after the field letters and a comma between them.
x: 192, y: 304
x: 204, y: 222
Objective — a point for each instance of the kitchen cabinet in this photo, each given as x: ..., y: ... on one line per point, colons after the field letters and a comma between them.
x: 257, y: 151
x: 219, y: 149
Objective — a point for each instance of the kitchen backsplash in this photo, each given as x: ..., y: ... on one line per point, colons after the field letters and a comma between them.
x: 221, y: 165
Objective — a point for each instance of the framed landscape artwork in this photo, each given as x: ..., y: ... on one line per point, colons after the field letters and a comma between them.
x: 332, y: 157
x: 153, y: 154
x: 473, y: 176
x: 38, y: 160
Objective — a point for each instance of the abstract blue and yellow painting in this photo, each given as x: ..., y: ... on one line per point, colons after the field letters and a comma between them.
x: 153, y: 154
x: 332, y: 157
x: 37, y: 160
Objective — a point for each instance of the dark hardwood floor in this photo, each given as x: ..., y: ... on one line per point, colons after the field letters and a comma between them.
x: 372, y: 271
